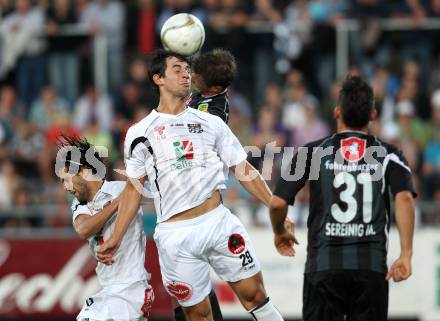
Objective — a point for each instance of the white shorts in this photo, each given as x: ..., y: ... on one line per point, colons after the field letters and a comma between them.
x: 187, y: 249
x: 119, y: 302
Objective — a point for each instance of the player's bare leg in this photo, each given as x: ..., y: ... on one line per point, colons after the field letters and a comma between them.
x: 199, y: 312
x: 179, y: 315
x: 252, y: 296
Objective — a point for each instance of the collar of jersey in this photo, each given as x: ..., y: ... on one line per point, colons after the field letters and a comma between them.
x: 353, y: 131
x: 170, y: 115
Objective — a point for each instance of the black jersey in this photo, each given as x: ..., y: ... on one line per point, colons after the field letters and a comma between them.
x: 217, y: 105
x: 351, y: 177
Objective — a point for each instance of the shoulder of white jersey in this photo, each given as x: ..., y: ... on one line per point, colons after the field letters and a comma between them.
x: 79, y: 208
x: 141, y: 127
x: 113, y: 188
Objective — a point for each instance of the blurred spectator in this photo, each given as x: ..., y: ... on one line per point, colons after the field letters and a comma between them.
x: 229, y: 23
x: 6, y: 7
x: 25, y: 149
x: 410, y: 125
x: 267, y: 134
x: 264, y: 11
x: 293, y: 114
x: 273, y: 99
x: 108, y: 17
x: 172, y: 7
x: 325, y: 15
x: 238, y: 102
x: 431, y: 167
x: 368, y: 43
x: 313, y: 128
x: 412, y: 89
x: 293, y: 36
x: 138, y: 74
x: 47, y: 107
x: 411, y: 129
x: 240, y: 126
x: 385, y: 87
x: 141, y: 31
x: 330, y: 101
x: 11, y: 110
x: 416, y: 43
x: 59, y: 213
x: 102, y: 140
x: 131, y: 99
x: 9, y: 183
x: 207, y: 8
x: 93, y: 105
x: 11, y: 114
x: 63, y: 60
x: 24, y: 46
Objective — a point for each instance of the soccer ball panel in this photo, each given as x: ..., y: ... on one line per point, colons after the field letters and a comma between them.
x: 183, y: 33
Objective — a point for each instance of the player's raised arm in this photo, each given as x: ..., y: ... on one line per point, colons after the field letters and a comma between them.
x: 86, y: 225
x: 135, y: 153
x: 251, y: 179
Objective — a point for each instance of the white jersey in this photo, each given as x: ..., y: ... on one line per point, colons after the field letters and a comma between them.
x: 129, y: 260
x: 183, y: 156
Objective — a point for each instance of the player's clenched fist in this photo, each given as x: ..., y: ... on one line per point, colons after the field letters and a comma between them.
x: 105, y: 252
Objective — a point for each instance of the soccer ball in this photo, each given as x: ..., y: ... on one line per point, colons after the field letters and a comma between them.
x: 183, y: 33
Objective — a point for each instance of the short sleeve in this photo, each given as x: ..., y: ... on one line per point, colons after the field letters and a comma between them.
x: 398, y: 174
x: 136, y: 155
x: 227, y: 145
x: 79, y: 209
x: 289, y: 184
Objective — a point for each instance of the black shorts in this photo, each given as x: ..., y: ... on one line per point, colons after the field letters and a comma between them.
x: 348, y: 295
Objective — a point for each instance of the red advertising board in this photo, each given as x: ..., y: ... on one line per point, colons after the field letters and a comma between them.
x: 52, y: 278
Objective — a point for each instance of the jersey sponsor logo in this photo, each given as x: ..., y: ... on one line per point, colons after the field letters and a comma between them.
x: 182, y: 291
x: 236, y: 244
x: 203, y: 107
x: 159, y: 132
x: 353, y: 148
x: 184, y: 149
x: 195, y: 128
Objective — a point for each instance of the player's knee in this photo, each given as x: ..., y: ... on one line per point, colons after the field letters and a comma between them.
x: 201, y: 311
x: 254, y: 297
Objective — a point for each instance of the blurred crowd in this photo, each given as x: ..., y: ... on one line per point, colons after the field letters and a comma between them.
x: 284, y: 93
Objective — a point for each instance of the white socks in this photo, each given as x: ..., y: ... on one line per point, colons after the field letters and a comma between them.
x: 266, y: 312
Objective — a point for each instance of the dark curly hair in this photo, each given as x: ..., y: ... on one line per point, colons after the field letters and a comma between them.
x: 356, y: 101
x: 83, y: 146
x: 217, y: 67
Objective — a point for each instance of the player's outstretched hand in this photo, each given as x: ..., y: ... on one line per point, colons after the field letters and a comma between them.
x: 106, y: 251
x: 285, y: 242
x: 400, y: 270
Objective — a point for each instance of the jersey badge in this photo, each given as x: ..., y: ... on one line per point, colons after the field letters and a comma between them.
x: 195, y: 128
x: 353, y: 148
x: 236, y: 244
x: 203, y: 107
x: 159, y: 132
